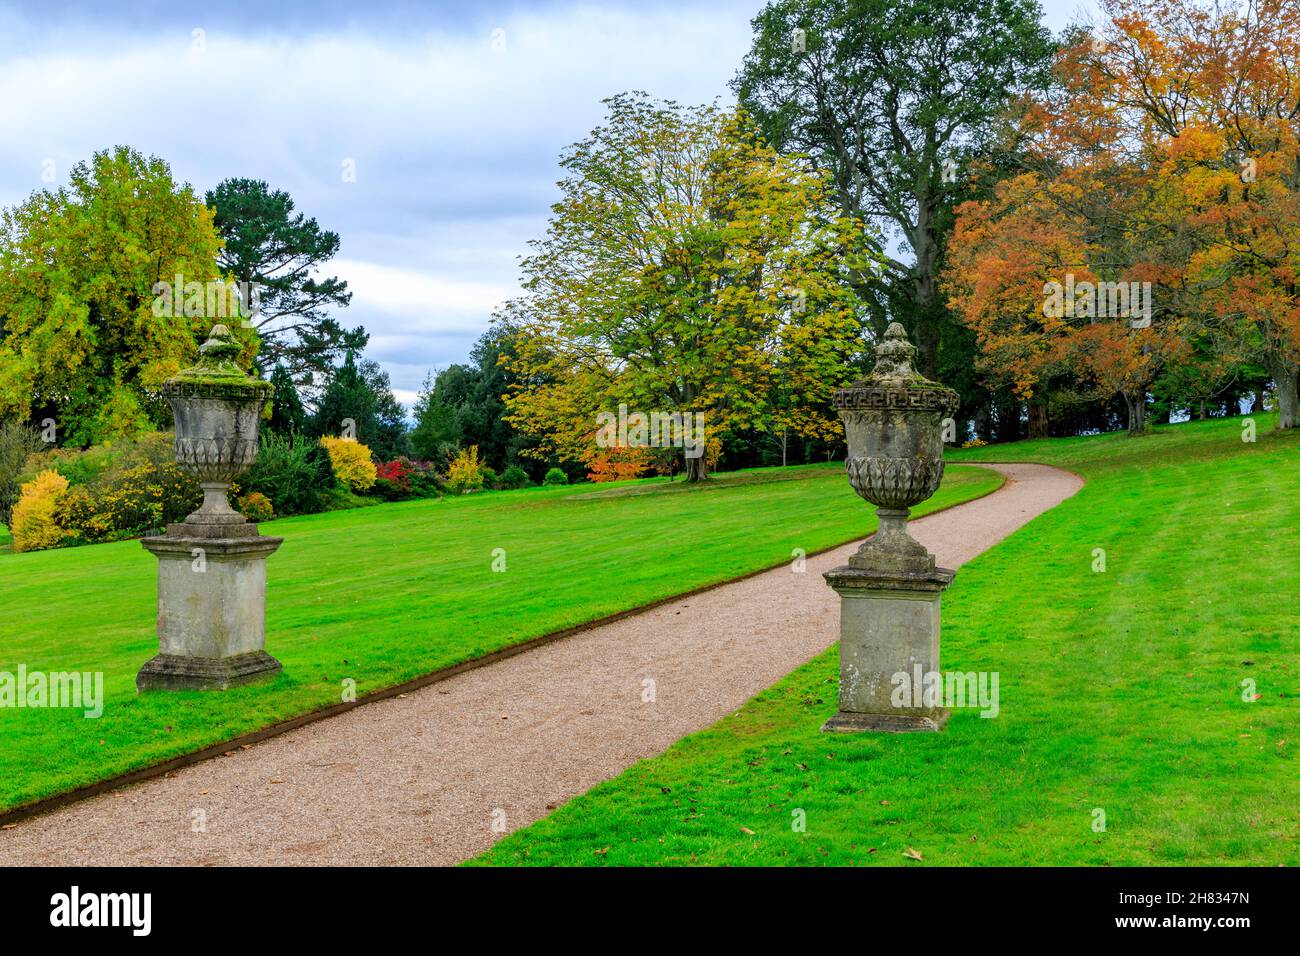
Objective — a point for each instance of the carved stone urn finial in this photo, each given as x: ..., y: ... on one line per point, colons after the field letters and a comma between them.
x: 212, y: 566
x: 890, y: 590
x: 216, y: 407
x: 893, y: 424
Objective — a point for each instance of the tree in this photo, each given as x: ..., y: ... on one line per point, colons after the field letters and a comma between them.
x: 389, y: 438
x: 18, y: 442
x: 891, y: 97
x: 359, y: 403
x: 436, y: 433
x: 1212, y: 95
x: 685, y: 267
x: 465, y: 405
x: 346, y: 407
x: 81, y: 337
x: 268, y: 247
x: 287, y: 414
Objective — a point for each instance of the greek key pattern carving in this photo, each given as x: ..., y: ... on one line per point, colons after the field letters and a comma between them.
x: 924, y: 399
x: 244, y: 391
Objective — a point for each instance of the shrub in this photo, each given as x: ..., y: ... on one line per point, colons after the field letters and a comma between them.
x: 34, y: 524
x: 294, y: 472
x: 101, y: 463
x: 120, y: 490
x: 255, y: 506
x: 556, y: 476
x: 396, y: 474
x: 128, y: 503
x: 351, y: 462
x: 18, y: 442
x: 618, y: 464
x: 465, y: 474
x: 490, y: 479
x: 515, y: 477
x: 424, y: 481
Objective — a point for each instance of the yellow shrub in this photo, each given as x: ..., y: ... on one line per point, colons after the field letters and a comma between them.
x: 351, y: 462
x: 34, y: 526
x: 465, y: 474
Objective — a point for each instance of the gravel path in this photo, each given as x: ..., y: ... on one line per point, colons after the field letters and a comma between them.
x: 437, y: 776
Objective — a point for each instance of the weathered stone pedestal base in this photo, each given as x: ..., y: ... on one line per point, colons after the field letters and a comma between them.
x: 211, y: 608
x: 175, y: 672
x: 889, y: 625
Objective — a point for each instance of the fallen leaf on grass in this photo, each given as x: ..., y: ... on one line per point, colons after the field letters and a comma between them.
x: 912, y: 854
x: 747, y: 830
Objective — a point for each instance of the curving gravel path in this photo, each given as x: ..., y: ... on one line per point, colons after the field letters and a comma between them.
x: 439, y: 775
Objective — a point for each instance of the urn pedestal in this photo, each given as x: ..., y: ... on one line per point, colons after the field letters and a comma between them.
x: 212, y: 566
x: 211, y: 612
x: 889, y: 625
x: 890, y: 591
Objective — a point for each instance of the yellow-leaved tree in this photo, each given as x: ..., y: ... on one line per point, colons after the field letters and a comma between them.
x: 687, y: 268
x: 80, y: 269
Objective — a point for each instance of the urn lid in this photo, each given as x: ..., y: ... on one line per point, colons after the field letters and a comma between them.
x: 895, y: 382
x: 217, y: 374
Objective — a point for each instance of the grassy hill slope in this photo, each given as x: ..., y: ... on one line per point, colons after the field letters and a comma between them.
x: 1121, y: 695
x: 383, y: 595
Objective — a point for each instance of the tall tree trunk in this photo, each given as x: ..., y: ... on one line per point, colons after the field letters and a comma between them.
x: 925, y: 244
x: 1137, y: 412
x: 697, y: 469
x: 1284, y: 374
x: 1038, y: 417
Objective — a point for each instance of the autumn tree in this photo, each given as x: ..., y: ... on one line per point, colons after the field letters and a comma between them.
x: 80, y: 337
x: 686, y: 268
x: 1164, y: 153
x: 1211, y: 93
x: 892, y: 98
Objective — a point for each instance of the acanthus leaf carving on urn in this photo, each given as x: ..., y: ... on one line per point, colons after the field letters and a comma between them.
x: 894, y: 482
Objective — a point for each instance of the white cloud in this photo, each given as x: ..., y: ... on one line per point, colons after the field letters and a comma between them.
x: 455, y: 145
x: 408, y: 293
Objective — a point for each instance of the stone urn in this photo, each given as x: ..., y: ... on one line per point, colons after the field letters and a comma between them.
x: 890, y: 589
x: 212, y: 566
x: 216, y: 407
x: 893, y: 425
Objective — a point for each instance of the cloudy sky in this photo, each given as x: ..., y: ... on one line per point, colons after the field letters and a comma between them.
x: 452, y: 114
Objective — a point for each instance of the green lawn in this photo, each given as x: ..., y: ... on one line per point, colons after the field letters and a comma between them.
x: 382, y: 595
x: 1120, y: 692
